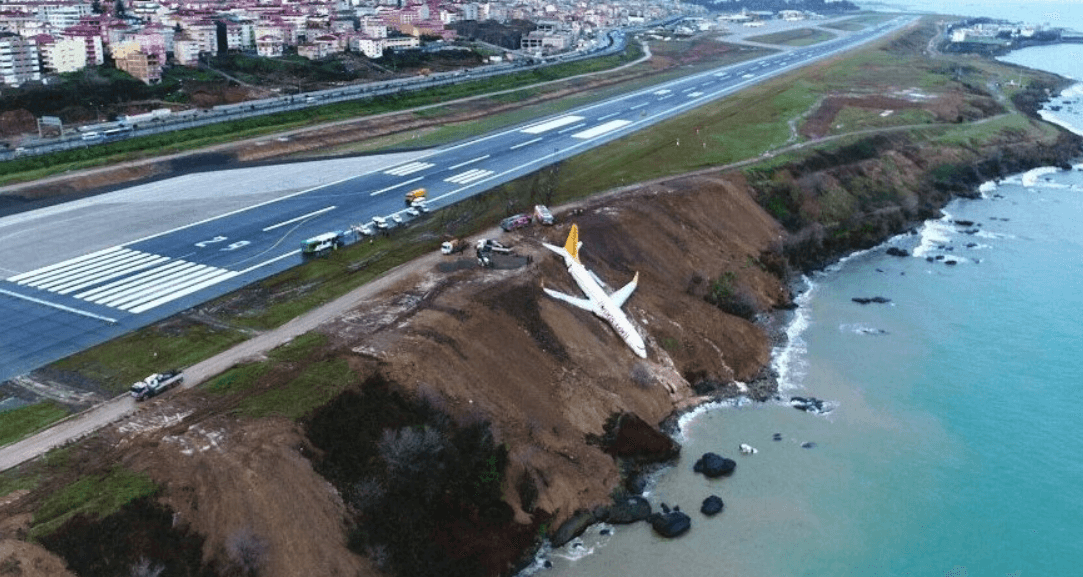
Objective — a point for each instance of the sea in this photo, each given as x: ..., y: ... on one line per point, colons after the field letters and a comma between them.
x: 951, y: 443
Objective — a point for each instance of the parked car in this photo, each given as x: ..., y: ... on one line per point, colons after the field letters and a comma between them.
x: 514, y: 222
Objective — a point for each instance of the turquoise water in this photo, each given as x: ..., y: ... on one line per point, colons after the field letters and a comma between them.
x: 955, y: 443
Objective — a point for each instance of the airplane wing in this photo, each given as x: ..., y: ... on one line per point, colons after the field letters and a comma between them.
x: 585, y: 304
x: 626, y: 291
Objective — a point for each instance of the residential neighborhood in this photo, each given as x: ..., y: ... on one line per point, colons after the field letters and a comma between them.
x: 142, y: 37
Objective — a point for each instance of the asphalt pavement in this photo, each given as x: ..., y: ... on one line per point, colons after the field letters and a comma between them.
x: 81, y: 273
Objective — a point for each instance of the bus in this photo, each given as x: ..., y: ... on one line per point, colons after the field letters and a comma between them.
x: 322, y: 243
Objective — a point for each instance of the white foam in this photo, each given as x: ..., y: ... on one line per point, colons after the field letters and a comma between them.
x: 589, y: 543
x: 934, y: 233
x: 987, y: 187
x: 861, y: 329
x: 1030, y: 177
x: 685, y: 421
x: 989, y: 234
x: 789, y: 361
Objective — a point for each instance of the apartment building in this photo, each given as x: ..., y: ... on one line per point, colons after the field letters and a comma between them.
x: 18, y: 59
x: 60, y: 54
x: 130, y: 58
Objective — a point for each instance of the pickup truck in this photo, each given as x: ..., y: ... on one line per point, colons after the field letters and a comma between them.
x: 156, y: 384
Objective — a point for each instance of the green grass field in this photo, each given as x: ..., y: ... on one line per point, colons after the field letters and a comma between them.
x: 24, y: 421
x: 799, y: 37
x: 97, y: 495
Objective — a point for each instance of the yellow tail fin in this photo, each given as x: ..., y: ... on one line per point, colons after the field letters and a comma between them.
x: 572, y: 244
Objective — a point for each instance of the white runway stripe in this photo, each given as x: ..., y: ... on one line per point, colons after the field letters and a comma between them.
x: 469, y: 176
x: 43, y: 270
x: 171, y: 286
x: 409, y: 168
x: 550, y: 125
x: 124, y: 279
x: 74, y: 268
x: 602, y: 129
x: 135, y: 283
x: 143, y: 263
x: 226, y: 275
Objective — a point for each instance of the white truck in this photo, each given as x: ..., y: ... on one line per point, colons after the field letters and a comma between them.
x: 156, y: 384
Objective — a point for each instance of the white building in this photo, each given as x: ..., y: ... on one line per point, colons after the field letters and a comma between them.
x: 18, y: 60
x: 61, y: 15
x: 63, y: 55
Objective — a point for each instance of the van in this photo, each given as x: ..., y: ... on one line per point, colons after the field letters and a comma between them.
x: 513, y: 222
x: 542, y: 215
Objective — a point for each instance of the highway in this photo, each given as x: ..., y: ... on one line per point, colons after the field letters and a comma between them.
x: 92, y: 288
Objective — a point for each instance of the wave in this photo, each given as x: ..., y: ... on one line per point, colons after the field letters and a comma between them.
x: 934, y: 234
x: 597, y: 535
x: 789, y: 361
x: 685, y: 421
x: 861, y: 329
x: 1030, y: 177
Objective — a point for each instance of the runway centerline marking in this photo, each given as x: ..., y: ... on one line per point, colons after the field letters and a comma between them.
x: 399, y: 185
x: 472, y: 161
x: 300, y: 218
x: 527, y: 143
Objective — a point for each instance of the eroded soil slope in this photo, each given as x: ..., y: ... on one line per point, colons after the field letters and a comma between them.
x: 548, y: 375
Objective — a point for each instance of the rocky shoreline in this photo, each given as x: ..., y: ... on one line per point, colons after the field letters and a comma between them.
x: 635, y: 474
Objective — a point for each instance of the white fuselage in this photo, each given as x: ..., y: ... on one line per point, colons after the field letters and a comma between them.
x: 605, y: 308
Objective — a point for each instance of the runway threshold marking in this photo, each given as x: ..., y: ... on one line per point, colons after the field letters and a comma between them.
x: 300, y: 218
x: 121, y: 278
x: 409, y: 168
x: 469, y: 176
x: 69, y: 262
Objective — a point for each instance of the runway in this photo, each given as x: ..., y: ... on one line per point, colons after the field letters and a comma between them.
x: 81, y: 273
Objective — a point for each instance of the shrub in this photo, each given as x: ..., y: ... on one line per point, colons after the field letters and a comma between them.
x: 731, y: 298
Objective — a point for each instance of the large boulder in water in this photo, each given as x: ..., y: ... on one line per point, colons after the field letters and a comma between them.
x: 629, y: 510
x: 629, y: 437
x: 713, y: 465
x: 711, y: 506
x: 670, y: 523
x: 572, y: 528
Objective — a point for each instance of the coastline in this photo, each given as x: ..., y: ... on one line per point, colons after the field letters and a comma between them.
x: 624, y: 220
x: 786, y: 325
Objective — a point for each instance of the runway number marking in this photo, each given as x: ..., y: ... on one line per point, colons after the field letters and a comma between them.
x: 204, y: 243
x: 236, y: 245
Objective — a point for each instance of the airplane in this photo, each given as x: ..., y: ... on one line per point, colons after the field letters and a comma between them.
x: 605, y: 306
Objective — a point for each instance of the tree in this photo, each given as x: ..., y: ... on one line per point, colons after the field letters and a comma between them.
x: 119, y: 10
x: 246, y: 550
x: 144, y: 568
